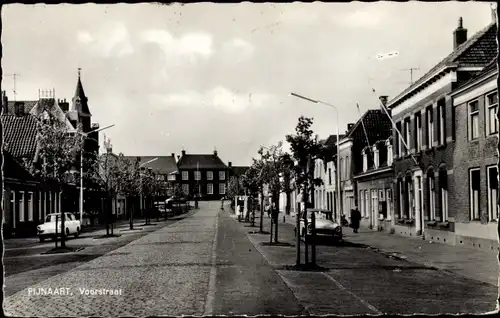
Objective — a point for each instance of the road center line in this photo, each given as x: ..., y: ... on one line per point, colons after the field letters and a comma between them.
x: 213, y: 273
x: 364, y: 302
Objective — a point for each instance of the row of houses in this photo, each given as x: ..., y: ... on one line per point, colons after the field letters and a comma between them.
x: 424, y: 164
x: 27, y: 200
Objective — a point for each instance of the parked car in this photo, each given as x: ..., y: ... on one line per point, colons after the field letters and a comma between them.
x: 48, y: 228
x: 325, y: 225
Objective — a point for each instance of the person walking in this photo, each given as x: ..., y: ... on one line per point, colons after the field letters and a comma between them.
x: 222, y: 203
x: 355, y: 219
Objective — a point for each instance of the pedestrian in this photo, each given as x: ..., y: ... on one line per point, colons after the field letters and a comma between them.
x: 355, y: 219
x: 222, y: 203
x: 268, y: 210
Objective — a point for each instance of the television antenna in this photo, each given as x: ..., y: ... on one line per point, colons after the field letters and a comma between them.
x: 411, y: 69
x: 14, y: 76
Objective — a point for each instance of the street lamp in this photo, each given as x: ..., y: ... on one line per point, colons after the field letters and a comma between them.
x: 140, y: 177
x: 83, y: 136
x: 339, y: 206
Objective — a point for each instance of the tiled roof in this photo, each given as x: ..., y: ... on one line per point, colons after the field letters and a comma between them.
x: 479, y: 50
x: 191, y: 161
x: 20, y: 135
x: 378, y: 127
x: 239, y: 170
x: 163, y: 165
x: 51, y: 106
x: 331, y: 141
x: 13, y: 169
x: 28, y: 105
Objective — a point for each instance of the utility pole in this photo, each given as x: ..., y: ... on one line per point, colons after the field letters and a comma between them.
x: 14, y: 76
x: 411, y: 69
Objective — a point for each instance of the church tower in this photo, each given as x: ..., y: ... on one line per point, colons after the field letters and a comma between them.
x: 80, y: 113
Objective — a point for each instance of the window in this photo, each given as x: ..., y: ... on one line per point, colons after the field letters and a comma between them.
x: 171, y: 177
x: 30, y: 205
x: 374, y: 207
x: 210, y: 188
x: 430, y: 126
x: 185, y: 175
x: 341, y: 166
x: 367, y: 203
x: 330, y: 176
x: 474, y: 186
x: 443, y: 187
x: 431, y: 198
x: 365, y: 160
x: 418, y: 129
x: 69, y: 217
x: 13, y: 207
x: 185, y: 188
x: 389, y: 154
x: 362, y: 205
x: 21, y: 206
x: 222, y: 188
x: 407, y: 136
x: 48, y: 203
x: 398, y: 136
x: 400, y: 198
x: 222, y: 175
x: 40, y: 206
x: 210, y: 175
x: 491, y: 115
x: 347, y: 168
x: 441, y: 121
x: 492, y: 193
x: 376, y: 162
x: 197, y: 175
x: 473, y: 120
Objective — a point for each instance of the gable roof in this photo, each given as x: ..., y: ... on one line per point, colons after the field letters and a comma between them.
x: 162, y: 165
x: 20, y: 135
x: 12, y: 169
x: 51, y: 106
x: 378, y: 127
x: 203, y: 161
x: 331, y: 141
x: 477, y: 51
x: 487, y: 71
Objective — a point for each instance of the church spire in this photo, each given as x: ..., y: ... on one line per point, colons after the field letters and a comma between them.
x: 80, y: 101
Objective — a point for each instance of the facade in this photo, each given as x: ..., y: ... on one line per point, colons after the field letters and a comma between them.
x: 475, y: 157
x: 424, y: 115
x: 374, y: 183
x: 203, y: 175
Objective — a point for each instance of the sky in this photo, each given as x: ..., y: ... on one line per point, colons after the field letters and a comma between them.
x: 208, y: 76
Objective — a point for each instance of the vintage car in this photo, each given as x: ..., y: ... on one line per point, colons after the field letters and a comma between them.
x: 325, y: 225
x: 48, y: 229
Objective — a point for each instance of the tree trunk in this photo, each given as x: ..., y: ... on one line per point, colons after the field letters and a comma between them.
x: 261, y: 211
x: 63, y: 219
x: 277, y: 198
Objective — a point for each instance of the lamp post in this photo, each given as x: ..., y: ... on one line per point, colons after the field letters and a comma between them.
x: 83, y: 136
x: 339, y: 206
x: 140, y: 177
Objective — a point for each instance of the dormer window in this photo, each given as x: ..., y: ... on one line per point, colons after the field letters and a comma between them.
x: 389, y: 152
x: 376, y: 162
x: 365, y: 160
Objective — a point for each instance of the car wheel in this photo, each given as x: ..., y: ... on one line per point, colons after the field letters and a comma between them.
x: 42, y: 238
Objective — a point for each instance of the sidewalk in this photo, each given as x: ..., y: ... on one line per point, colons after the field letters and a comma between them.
x: 479, y: 265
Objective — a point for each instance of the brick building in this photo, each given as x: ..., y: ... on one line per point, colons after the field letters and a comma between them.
x: 374, y: 182
x: 205, y: 175
x: 424, y: 115
x: 475, y: 157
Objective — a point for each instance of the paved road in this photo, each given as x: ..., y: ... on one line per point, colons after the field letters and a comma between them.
x: 208, y: 264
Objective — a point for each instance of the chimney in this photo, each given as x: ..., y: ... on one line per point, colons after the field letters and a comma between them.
x: 63, y: 104
x: 173, y: 155
x: 459, y: 35
x: 183, y: 152
x: 229, y: 164
x: 215, y: 153
x: 383, y: 100
x: 5, y: 103
x: 19, y: 108
x: 178, y: 157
